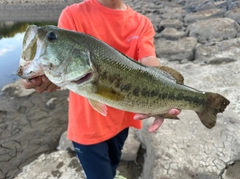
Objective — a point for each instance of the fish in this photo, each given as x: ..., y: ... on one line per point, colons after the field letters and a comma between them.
x: 106, y: 77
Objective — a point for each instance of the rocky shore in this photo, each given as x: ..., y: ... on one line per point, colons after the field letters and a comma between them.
x: 30, y: 124
x: 198, y: 38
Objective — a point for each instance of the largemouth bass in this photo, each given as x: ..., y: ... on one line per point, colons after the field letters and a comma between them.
x: 93, y: 69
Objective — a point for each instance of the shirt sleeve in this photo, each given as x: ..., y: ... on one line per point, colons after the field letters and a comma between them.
x: 146, y: 42
x: 66, y: 20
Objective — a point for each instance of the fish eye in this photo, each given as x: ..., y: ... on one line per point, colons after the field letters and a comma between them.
x: 51, y: 36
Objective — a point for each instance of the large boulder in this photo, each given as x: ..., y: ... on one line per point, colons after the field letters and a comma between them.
x: 221, y: 52
x: 176, y: 50
x: 60, y: 164
x: 216, y: 29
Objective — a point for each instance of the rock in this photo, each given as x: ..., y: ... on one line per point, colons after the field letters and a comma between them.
x: 185, y: 149
x: 131, y: 146
x: 222, y: 4
x: 17, y: 89
x: 176, y: 50
x: 65, y: 143
x: 203, y: 15
x: 225, y: 51
x: 176, y: 12
x: 217, y: 29
x: 171, y: 23
x: 171, y: 34
x: 232, y: 171
x: 199, y: 5
x: 57, y: 165
x: 234, y: 11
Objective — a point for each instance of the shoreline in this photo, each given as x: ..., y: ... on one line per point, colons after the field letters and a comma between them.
x: 32, y: 10
x: 38, y: 1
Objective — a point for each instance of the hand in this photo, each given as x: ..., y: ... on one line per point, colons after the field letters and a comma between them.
x: 158, y: 121
x: 40, y: 84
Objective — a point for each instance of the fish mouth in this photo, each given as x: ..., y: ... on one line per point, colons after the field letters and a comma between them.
x: 29, y: 70
x: 83, y: 79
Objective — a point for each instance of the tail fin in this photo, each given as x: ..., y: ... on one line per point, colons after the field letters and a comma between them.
x: 216, y: 103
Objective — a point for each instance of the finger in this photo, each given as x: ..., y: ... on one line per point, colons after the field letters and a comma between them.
x: 36, y: 81
x: 28, y: 84
x: 44, y: 84
x: 156, y: 124
x: 52, y: 87
x: 43, y: 87
x: 140, y: 116
x: 174, y: 112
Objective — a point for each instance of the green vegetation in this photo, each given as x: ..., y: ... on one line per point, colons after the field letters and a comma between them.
x: 10, y: 29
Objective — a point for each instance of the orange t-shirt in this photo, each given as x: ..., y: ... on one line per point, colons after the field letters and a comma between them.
x: 127, y: 31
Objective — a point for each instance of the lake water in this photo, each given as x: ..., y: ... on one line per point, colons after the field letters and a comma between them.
x: 10, y: 49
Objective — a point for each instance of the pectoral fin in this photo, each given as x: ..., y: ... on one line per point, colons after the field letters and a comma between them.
x: 99, y: 107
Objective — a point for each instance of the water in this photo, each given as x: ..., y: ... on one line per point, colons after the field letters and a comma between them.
x: 10, y: 49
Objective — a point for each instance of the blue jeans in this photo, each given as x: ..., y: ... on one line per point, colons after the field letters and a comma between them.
x: 100, y: 161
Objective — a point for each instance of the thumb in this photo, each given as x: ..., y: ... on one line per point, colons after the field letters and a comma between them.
x: 155, y: 125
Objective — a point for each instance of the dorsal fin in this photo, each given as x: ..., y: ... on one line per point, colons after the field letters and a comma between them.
x: 175, y: 74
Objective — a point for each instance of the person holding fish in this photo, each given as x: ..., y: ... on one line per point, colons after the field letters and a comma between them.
x: 98, y: 139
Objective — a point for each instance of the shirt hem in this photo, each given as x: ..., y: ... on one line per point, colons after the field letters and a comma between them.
x: 76, y: 138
